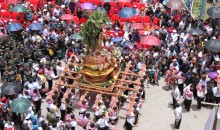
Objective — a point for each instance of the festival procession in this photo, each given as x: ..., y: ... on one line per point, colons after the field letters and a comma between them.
x: 78, y: 65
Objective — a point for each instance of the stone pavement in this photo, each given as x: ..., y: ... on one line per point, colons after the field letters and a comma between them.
x: 156, y: 112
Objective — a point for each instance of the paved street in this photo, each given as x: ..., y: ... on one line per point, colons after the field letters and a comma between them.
x: 157, y: 114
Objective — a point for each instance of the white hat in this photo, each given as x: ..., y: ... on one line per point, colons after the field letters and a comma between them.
x: 216, y: 58
x: 174, y: 31
x: 214, y: 38
x: 206, y: 40
x: 57, y: 19
x: 49, y: 2
x: 45, y: 5
x: 31, y: 5
x: 11, y: 20
x: 200, y: 54
x: 62, y: 6
x: 135, y: 6
x: 44, y: 9
x: 218, y: 71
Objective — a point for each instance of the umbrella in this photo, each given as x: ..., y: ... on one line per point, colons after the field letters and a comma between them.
x: 100, y: 9
x: 19, y: 105
x: 138, y: 26
x: 214, y: 12
x: 124, y: 0
x: 150, y: 40
x: 175, y: 4
x: 10, y: 88
x: 213, y: 45
x: 13, y: 2
x: 19, y: 8
x: 35, y: 26
x: 68, y: 17
x: 127, y: 12
x: 76, y: 19
x: 196, y: 31
x: 87, y: 5
x: 117, y: 39
x: 107, y: 0
x: 14, y: 27
x: 76, y: 36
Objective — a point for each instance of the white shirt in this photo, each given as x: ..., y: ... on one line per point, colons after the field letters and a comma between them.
x: 9, y: 126
x: 176, y: 93
x: 131, y: 119
x: 59, y: 70
x: 57, y: 11
x: 102, y: 123
x: 73, y: 123
x: 174, y: 37
x: 201, y: 94
x: 216, y: 91
x: 187, y: 93
x: 178, y: 113
x: 98, y: 111
x: 63, y: 106
x: 37, y: 85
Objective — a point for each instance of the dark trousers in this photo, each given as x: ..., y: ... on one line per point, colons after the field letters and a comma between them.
x: 37, y: 105
x: 115, y: 120
x: 104, y: 128
x: 62, y: 115
x: 180, y: 86
x: 177, y: 123
x: 187, y: 104
x: 199, y: 100
x: 143, y: 95
x: 128, y: 125
x: 174, y: 103
x: 217, y: 100
x: 97, y: 118
x: 50, y: 84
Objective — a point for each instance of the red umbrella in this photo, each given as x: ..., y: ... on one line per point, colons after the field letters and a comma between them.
x: 76, y: 19
x: 124, y: 0
x: 67, y: 17
x: 38, y: 3
x: 13, y: 2
x: 150, y: 40
x: 138, y: 26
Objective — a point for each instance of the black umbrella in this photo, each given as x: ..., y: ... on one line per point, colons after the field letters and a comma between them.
x: 213, y: 45
x: 196, y: 31
x: 10, y: 88
x: 214, y: 12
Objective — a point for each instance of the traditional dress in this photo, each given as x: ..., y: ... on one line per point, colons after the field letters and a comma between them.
x: 170, y: 76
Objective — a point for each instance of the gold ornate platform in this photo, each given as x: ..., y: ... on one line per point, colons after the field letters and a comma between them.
x: 114, y: 88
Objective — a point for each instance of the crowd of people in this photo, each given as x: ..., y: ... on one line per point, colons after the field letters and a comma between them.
x: 34, y: 58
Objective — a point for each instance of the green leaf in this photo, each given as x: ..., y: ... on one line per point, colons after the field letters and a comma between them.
x: 93, y: 28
